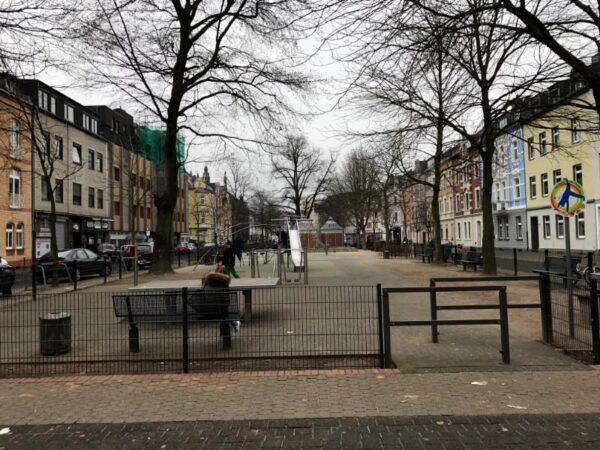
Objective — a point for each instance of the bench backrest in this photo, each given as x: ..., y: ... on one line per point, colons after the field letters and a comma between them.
x: 559, y: 264
x: 472, y: 256
x: 209, y: 303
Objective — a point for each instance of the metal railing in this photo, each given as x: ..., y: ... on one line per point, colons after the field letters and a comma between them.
x: 292, y: 327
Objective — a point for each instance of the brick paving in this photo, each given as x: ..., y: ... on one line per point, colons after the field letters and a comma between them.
x: 443, y: 432
x: 160, y: 398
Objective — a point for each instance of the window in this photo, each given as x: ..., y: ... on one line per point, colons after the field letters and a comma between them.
x: 52, y: 105
x: 477, y: 198
x: 43, y: 100
x: 94, y: 127
x: 76, y: 154
x: 517, y: 188
x: 515, y: 148
x: 58, y: 147
x: 458, y: 229
x: 555, y: 138
x: 578, y: 173
x: 556, y: 176
x: 14, y: 186
x: 91, y: 197
x: 544, y: 181
x: 100, y: 194
x: 547, y: 230
x: 117, y: 173
x: 19, y: 235
x: 575, y: 130
x: 91, y: 160
x: 502, y: 227
x: 530, y: 148
x: 580, y: 225
x: 543, y: 143
x: 503, y: 191
x: 15, y: 138
x: 117, y: 206
x: 148, y: 212
x: 77, y: 194
x: 519, y: 227
x: 69, y: 113
x: 46, y: 188
x: 100, y: 162
x: 532, y: 187
x: 58, y: 191
x: 86, y: 121
x: 560, y: 227
x: 468, y: 225
x: 9, y: 236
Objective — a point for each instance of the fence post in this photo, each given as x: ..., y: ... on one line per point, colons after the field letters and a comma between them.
x: 33, y: 281
x: 546, y: 260
x: 185, y: 330
x: 433, y: 307
x: 120, y: 260
x: 306, y: 266
x: 104, y: 267
x: 387, y: 359
x: 380, y: 327
x: 74, y: 274
x: 504, y: 337
x: 595, y: 321
x: 515, y: 263
x: 178, y: 258
x: 252, y: 269
x: 189, y: 257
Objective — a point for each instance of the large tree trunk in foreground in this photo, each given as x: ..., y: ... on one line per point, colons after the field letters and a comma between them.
x: 488, y: 246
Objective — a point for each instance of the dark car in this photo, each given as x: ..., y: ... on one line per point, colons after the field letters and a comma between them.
x: 7, y: 277
x: 144, y: 251
x: 108, y: 250
x: 75, y: 264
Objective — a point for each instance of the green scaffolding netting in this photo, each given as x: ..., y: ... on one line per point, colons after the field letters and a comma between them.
x: 151, y: 144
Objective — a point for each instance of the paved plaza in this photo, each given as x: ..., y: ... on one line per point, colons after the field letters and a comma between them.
x: 455, y: 394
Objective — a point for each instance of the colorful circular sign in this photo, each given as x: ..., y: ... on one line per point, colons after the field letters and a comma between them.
x: 567, y: 197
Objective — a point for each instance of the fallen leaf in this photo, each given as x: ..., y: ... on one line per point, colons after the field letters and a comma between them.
x: 440, y: 422
x: 503, y: 428
x: 25, y: 395
x: 479, y: 383
x: 516, y: 407
x: 4, y: 431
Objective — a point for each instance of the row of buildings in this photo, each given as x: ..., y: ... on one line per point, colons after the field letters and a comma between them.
x: 554, y: 137
x: 93, y: 170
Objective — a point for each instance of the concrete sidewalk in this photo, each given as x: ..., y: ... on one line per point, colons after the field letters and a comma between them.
x: 313, y: 394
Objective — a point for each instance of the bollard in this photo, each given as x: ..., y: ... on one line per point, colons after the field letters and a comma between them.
x: 306, y: 266
x: 104, y: 268
x: 120, y: 268
x: 178, y: 258
x: 33, y: 282
x: 515, y: 266
x: 74, y: 274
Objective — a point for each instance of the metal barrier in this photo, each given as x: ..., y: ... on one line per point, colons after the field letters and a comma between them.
x: 502, y: 320
x: 435, y: 308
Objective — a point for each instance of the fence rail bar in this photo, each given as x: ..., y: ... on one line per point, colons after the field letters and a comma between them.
x: 408, y: 290
x: 465, y: 307
x: 488, y: 278
x: 422, y: 323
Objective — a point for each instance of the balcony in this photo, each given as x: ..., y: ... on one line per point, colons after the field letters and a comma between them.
x: 15, y: 201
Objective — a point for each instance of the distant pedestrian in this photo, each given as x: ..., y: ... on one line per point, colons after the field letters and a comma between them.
x: 229, y: 260
x: 238, y: 248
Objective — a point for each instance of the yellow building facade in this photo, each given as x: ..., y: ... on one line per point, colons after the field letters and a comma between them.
x: 562, y: 143
x: 201, y: 209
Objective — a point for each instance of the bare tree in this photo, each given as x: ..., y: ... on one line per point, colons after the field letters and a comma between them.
x: 265, y: 213
x: 238, y: 185
x: 356, y: 184
x: 187, y: 64
x: 304, y: 174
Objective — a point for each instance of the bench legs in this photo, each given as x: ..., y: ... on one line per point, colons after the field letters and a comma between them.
x: 225, y: 330
x: 134, y: 338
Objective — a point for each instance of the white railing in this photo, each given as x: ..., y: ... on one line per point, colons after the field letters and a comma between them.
x: 15, y: 200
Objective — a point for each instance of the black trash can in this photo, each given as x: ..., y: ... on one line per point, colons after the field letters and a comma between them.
x: 55, y: 333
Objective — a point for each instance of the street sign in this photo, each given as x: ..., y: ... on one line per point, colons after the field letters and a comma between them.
x: 567, y: 197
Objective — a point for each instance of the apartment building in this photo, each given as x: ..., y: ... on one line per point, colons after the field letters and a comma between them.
x: 73, y: 166
x: 469, y: 220
x: 15, y: 165
x: 562, y: 143
x: 509, y: 191
x: 201, y: 208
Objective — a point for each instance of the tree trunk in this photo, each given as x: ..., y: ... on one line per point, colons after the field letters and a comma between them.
x: 435, y: 201
x: 488, y: 248
x: 53, y: 241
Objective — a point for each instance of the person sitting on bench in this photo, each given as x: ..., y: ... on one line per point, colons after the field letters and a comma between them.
x: 219, y: 281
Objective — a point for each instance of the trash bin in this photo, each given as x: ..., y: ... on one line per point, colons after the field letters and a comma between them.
x: 55, y: 333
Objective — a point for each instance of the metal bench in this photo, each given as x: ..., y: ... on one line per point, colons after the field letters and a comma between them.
x: 204, y: 305
x: 473, y: 259
x: 557, y: 266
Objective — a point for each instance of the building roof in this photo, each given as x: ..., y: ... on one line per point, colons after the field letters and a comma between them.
x: 331, y: 226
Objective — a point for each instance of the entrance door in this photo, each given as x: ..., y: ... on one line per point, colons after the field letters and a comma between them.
x: 535, y: 234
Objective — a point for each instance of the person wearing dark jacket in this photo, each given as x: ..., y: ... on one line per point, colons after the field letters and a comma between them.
x: 229, y: 260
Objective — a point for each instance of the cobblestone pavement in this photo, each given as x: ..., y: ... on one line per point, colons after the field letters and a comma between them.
x: 159, y: 398
x: 443, y: 432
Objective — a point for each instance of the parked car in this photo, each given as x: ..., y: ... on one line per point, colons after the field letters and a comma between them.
x: 108, y: 250
x: 144, y: 250
x: 88, y: 263
x: 7, y: 277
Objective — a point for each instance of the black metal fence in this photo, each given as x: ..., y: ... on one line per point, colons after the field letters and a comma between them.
x: 572, y: 316
x: 292, y: 327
